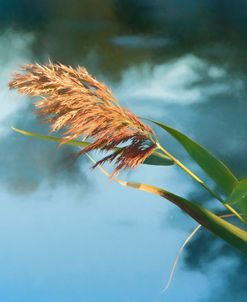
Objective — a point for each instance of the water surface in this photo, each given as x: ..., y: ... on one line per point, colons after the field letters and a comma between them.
x: 66, y: 232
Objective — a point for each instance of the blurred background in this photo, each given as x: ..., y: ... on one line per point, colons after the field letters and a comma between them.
x: 66, y: 232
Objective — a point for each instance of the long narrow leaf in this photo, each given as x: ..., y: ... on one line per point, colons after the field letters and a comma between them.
x: 215, y: 168
x: 156, y: 158
x: 239, y: 197
x: 230, y: 233
x: 52, y: 138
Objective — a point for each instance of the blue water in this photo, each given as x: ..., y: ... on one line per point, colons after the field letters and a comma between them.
x: 68, y: 233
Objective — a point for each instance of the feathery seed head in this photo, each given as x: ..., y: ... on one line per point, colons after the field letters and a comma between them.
x: 73, y: 100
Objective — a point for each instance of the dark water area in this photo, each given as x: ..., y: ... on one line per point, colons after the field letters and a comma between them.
x: 66, y: 232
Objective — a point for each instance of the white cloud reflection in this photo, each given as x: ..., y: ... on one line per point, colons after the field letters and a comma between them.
x: 183, y: 81
x: 14, y: 51
x: 57, y: 246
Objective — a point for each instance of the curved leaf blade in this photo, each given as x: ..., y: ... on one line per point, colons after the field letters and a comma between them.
x: 52, y: 138
x: 156, y: 158
x: 239, y: 192
x: 232, y: 234
x: 212, y: 166
x: 239, y: 197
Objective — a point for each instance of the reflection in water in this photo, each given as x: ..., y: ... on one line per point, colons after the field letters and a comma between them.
x: 14, y: 50
x: 185, y: 68
x: 176, y: 82
x: 205, y: 257
x: 141, y: 41
x: 26, y: 162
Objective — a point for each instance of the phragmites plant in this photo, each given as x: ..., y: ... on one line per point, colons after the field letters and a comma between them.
x: 72, y: 100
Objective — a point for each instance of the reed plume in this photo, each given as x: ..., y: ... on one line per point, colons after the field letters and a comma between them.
x: 75, y: 101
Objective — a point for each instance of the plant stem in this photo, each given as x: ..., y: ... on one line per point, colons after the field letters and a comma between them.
x: 196, y: 178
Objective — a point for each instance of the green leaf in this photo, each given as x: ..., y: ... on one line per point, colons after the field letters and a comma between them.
x: 215, y: 168
x: 232, y: 234
x: 239, y: 197
x: 239, y: 192
x: 52, y: 138
x: 156, y: 158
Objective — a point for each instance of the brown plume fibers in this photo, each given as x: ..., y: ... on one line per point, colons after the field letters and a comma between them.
x: 72, y: 99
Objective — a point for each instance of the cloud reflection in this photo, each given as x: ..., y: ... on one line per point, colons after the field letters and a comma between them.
x: 26, y: 162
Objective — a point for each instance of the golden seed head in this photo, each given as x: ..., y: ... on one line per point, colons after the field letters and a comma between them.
x: 73, y: 100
